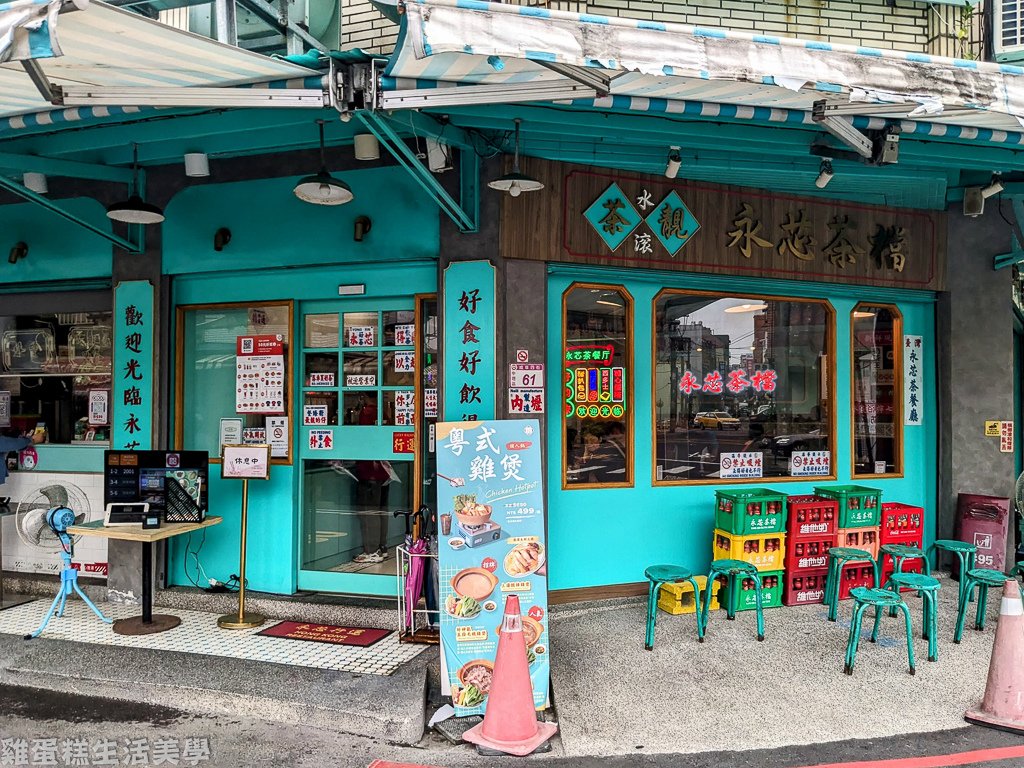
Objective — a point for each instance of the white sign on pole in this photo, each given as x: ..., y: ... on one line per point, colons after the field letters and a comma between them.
x: 246, y: 462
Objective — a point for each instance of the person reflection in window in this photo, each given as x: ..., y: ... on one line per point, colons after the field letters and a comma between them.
x: 371, y: 495
x: 605, y: 456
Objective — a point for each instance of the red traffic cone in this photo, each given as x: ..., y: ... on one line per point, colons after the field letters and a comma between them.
x: 510, y: 721
x: 1003, y: 705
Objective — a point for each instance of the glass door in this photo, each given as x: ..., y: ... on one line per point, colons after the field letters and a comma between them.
x: 358, y: 442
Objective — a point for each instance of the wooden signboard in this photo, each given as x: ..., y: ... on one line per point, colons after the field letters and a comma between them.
x: 591, y: 216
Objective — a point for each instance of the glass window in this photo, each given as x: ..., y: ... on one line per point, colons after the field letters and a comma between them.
x: 877, y: 396
x: 51, y: 367
x: 597, y: 366
x: 741, y: 375
x: 206, y: 376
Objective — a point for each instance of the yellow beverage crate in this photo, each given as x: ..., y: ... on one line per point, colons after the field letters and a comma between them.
x: 677, y: 597
x: 765, y: 550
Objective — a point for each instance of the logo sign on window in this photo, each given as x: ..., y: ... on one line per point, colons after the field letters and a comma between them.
x: 314, y: 415
x: 807, y: 463
x: 744, y: 464
x: 321, y: 379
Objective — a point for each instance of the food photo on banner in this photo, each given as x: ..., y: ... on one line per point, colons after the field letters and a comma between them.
x: 491, y: 518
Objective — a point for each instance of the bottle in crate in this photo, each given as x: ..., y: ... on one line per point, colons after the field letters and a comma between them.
x: 751, y: 511
x: 902, y: 523
x: 808, y: 553
x: 767, y: 551
x: 743, y: 595
x: 859, y: 506
x: 855, y: 575
x: 805, y: 587
x: 859, y: 538
x: 812, y: 516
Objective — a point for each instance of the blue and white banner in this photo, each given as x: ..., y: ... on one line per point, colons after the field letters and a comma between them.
x: 28, y: 29
x: 490, y: 502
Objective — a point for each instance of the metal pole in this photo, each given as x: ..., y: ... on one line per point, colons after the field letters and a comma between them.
x: 227, y: 26
x: 240, y: 620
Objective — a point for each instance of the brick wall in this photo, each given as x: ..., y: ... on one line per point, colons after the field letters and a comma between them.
x: 909, y: 26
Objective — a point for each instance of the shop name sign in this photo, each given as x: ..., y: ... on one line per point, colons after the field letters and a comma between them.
x: 638, y: 220
x: 760, y: 381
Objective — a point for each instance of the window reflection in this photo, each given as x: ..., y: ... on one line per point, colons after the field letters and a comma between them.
x: 740, y: 375
x: 876, y: 390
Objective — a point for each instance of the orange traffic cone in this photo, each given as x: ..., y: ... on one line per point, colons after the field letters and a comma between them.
x: 1003, y: 705
x: 510, y: 722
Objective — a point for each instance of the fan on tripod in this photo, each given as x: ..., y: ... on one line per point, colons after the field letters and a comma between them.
x: 30, y: 518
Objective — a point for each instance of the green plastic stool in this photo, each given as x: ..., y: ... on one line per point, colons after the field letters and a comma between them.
x: 734, y: 572
x: 901, y: 552
x: 837, y: 558
x: 865, y: 598
x: 982, y: 578
x: 664, y: 574
x: 965, y: 553
x: 927, y: 588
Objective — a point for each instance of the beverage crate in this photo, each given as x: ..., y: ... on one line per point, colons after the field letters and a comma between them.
x: 909, y: 566
x: 805, y: 587
x: 766, y: 551
x: 751, y: 511
x: 677, y: 597
x: 812, y: 516
x: 804, y: 554
x: 901, y: 521
x: 855, y: 575
x: 859, y: 506
x: 859, y: 538
x: 744, y: 597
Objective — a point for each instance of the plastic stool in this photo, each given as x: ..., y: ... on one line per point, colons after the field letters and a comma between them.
x: 837, y: 558
x: 734, y: 572
x: 865, y: 598
x: 965, y: 553
x: 927, y: 587
x: 983, y: 578
x: 664, y: 574
x: 901, y: 552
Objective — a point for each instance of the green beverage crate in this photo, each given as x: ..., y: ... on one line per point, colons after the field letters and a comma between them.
x: 859, y: 506
x: 746, y: 599
x: 750, y: 511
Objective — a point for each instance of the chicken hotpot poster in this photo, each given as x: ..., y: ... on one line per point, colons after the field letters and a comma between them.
x: 490, y: 505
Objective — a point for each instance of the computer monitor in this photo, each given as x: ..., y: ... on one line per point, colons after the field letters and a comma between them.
x: 142, y: 477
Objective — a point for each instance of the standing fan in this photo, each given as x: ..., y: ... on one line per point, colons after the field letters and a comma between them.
x: 30, y: 518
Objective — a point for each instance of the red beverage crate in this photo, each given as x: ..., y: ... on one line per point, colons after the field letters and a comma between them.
x: 909, y: 566
x: 805, y: 587
x: 855, y: 575
x: 812, y: 516
x: 859, y: 538
x: 901, y: 521
x: 808, y: 553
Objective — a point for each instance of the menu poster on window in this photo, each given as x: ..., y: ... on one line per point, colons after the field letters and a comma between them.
x: 132, y: 375
x: 745, y: 464
x: 491, y: 523
x: 470, y: 370
x: 913, y: 381
x: 5, y: 409
x: 259, y: 374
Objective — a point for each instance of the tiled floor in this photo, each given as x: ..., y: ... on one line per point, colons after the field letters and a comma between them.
x: 199, y: 630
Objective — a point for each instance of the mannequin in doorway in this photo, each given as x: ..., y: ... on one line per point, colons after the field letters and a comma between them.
x: 371, y: 496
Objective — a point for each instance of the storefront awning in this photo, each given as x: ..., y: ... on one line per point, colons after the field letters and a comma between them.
x: 108, y: 48
x: 456, y: 52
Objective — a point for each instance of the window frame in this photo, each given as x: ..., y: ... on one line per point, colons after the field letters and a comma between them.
x: 830, y: 374
x: 629, y: 365
x: 897, y: 393
x: 179, y: 370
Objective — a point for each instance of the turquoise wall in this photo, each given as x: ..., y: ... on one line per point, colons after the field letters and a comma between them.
x: 608, y: 536
x: 270, y: 228
x: 58, y: 250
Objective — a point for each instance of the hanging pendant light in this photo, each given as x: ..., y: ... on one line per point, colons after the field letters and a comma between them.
x: 516, y: 183
x: 135, y: 210
x: 322, y: 188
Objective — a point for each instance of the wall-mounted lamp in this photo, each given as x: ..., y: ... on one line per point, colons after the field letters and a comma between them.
x: 366, y: 146
x: 516, y: 183
x: 221, y: 238
x: 18, y: 252
x: 994, y: 187
x: 362, y: 226
x: 35, y: 182
x: 825, y: 174
x: 197, y: 164
x: 674, y: 161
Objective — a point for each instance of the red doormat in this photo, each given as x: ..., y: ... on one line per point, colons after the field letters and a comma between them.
x: 362, y: 637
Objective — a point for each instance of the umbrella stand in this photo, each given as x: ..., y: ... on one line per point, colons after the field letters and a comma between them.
x: 415, y: 624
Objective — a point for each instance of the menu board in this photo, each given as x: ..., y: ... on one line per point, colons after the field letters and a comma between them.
x: 491, y: 544
x: 259, y: 374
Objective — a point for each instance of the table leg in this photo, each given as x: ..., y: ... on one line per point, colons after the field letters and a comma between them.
x: 147, y: 623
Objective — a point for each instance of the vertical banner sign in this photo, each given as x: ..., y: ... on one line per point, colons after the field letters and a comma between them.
x: 469, y: 359
x: 132, y: 390
x: 491, y: 523
x: 913, y: 381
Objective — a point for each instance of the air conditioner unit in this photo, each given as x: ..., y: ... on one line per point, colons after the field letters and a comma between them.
x: 1008, y: 30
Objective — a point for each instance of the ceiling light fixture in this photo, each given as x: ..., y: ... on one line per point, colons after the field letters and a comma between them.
x: 135, y: 210
x: 516, y: 183
x: 197, y: 165
x: 366, y: 147
x: 675, y: 160
x: 746, y: 308
x: 608, y: 303
x: 825, y: 174
x: 35, y: 182
x: 322, y: 188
